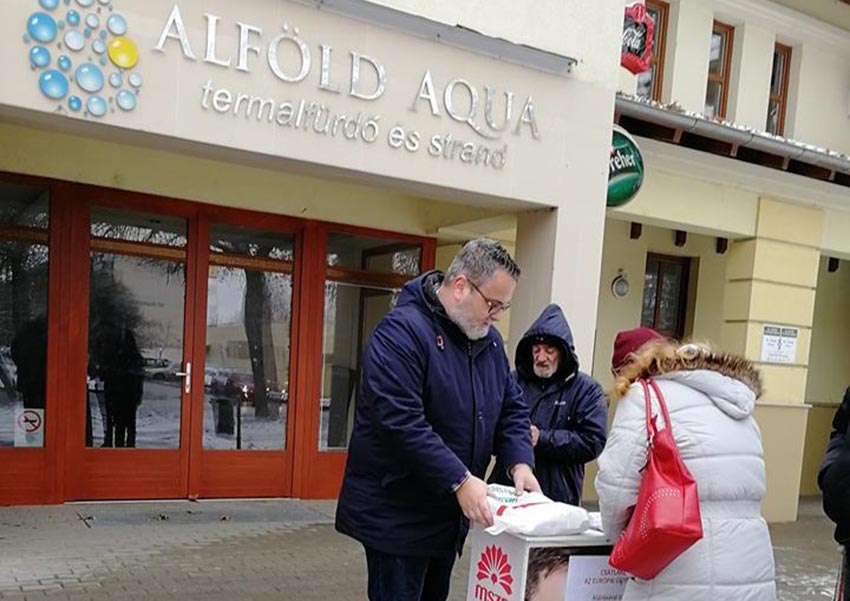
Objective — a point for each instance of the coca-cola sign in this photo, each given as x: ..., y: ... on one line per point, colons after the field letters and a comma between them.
x: 638, y: 34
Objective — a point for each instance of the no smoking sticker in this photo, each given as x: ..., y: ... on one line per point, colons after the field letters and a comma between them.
x: 29, y: 427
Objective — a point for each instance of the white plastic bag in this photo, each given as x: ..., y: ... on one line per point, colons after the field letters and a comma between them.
x: 533, y: 514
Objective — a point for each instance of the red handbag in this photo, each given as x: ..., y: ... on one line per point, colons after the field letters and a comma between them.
x: 666, y: 519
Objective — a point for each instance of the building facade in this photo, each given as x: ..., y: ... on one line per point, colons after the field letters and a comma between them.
x: 741, y: 233
x: 207, y: 206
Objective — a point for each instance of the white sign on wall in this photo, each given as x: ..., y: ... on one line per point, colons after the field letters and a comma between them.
x: 779, y: 344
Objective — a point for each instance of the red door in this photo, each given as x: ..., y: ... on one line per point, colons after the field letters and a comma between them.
x: 184, y: 382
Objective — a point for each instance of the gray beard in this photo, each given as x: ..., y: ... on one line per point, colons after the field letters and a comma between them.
x: 545, y: 372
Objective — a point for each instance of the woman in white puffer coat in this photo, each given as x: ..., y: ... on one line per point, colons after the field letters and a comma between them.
x: 710, y: 397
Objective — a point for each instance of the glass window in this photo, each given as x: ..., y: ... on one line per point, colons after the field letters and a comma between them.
x: 778, y: 100
x: 249, y: 320
x: 665, y: 294
x: 719, y: 61
x: 136, y: 319
x: 24, y: 261
x: 373, y: 254
x: 649, y: 82
x: 120, y: 224
x: 363, y: 279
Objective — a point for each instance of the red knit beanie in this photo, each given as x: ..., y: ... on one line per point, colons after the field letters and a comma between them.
x: 628, y: 342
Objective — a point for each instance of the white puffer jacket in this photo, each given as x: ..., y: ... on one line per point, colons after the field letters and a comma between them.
x: 719, y: 440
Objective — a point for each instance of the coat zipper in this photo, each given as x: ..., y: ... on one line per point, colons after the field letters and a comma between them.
x: 474, y: 404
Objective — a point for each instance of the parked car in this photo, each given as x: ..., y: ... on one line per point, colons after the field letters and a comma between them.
x: 161, y: 369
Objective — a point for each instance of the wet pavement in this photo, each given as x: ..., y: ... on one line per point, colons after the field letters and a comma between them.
x: 277, y: 549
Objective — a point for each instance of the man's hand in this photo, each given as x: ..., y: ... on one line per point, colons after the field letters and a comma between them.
x: 472, y: 496
x: 535, y: 435
x: 524, y: 479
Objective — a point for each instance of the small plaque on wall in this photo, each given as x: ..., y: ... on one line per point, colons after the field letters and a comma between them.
x: 779, y: 344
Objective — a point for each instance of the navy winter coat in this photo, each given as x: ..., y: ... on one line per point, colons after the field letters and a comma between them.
x: 568, y: 408
x: 834, y: 473
x: 432, y: 405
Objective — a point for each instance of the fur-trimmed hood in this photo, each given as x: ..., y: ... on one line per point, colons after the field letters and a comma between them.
x: 730, y: 381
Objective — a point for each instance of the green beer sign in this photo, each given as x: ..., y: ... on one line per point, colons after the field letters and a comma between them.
x: 625, y: 168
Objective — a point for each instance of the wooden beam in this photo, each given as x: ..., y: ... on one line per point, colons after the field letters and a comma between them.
x: 680, y: 238
x: 635, y: 230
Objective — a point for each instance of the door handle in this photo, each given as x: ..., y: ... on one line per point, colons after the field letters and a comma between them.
x: 187, y: 377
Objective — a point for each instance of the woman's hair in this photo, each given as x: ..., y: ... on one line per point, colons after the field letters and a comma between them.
x: 664, y: 356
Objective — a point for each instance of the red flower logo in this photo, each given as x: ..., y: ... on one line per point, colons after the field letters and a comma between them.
x: 494, y: 566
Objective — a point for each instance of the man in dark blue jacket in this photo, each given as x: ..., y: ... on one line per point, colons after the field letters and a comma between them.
x: 437, y: 400
x: 834, y: 481
x: 568, y: 413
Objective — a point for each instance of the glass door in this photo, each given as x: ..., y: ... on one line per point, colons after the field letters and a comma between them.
x: 138, y: 364
x: 246, y: 405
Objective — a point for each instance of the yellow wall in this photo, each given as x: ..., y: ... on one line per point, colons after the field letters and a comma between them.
x: 817, y: 434
x: 829, y: 365
x: 126, y: 167
x: 829, y: 361
x: 630, y: 255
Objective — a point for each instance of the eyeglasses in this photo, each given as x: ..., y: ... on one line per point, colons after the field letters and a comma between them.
x: 494, y: 307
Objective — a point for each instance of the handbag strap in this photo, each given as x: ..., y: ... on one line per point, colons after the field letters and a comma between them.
x: 651, y: 427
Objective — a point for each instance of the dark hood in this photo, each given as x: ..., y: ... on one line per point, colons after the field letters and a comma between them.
x: 551, y: 328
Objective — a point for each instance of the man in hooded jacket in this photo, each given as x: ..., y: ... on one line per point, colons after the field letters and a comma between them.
x: 568, y: 411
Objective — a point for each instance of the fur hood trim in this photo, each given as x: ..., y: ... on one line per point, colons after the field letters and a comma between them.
x: 692, y: 358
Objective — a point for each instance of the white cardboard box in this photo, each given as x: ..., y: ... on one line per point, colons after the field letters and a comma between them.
x: 563, y: 568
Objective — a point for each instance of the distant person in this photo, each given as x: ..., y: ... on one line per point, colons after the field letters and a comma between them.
x: 29, y: 352
x: 834, y: 481
x: 567, y: 406
x: 437, y: 401
x: 123, y: 386
x: 710, y: 397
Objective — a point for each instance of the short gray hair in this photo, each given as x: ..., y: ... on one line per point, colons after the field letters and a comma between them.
x: 479, y: 260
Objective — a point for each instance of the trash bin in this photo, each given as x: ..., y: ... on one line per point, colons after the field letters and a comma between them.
x: 515, y: 567
x: 223, y: 415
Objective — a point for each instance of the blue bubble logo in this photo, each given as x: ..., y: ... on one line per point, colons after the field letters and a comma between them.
x: 116, y: 24
x: 41, y: 27
x: 126, y: 100
x: 53, y: 84
x: 87, y: 45
x: 74, y: 40
x: 96, y: 106
x: 39, y: 56
x: 89, y: 77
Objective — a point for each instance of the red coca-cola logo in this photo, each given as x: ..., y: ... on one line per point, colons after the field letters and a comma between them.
x: 638, y: 33
x: 495, y: 568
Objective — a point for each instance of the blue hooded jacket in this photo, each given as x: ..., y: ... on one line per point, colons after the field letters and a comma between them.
x: 432, y: 404
x: 569, y: 409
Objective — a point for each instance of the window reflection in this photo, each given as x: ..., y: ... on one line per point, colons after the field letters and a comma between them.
x: 364, y: 276
x: 246, y: 376
x: 249, y: 318
x: 24, y: 260
x: 136, y: 306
